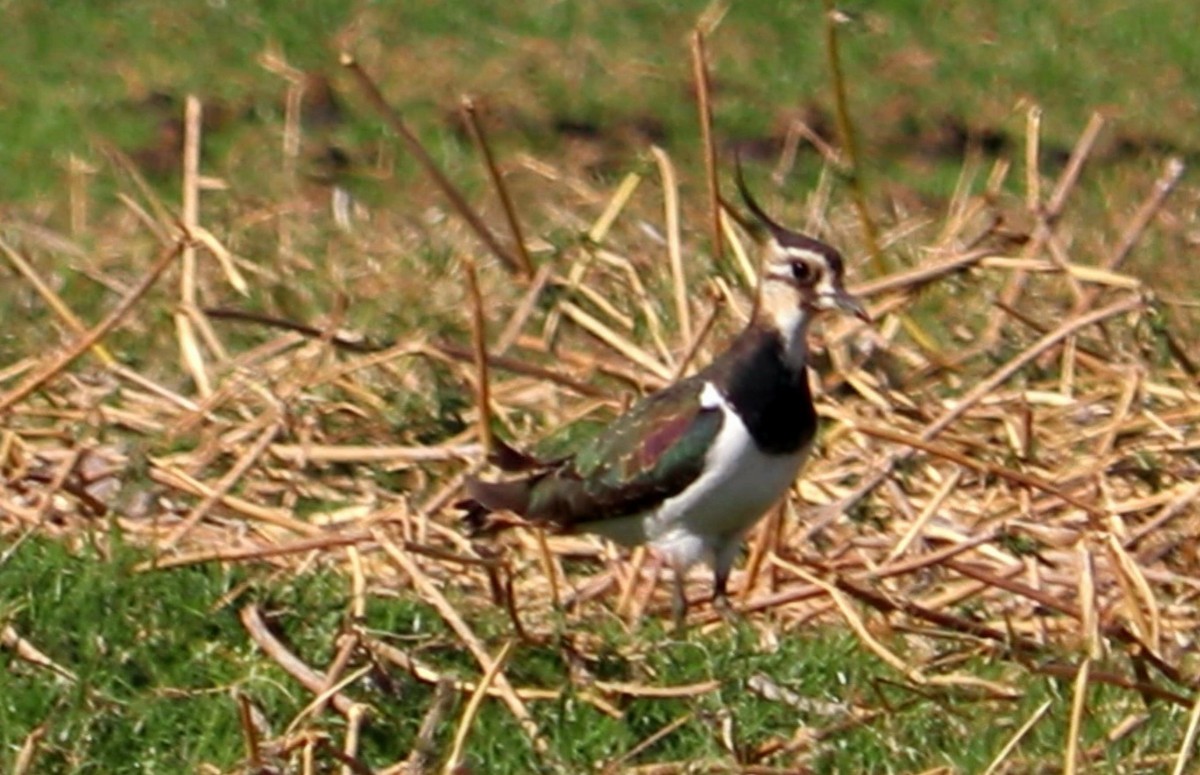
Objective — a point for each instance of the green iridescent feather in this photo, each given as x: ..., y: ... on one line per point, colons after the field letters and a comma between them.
x: 651, y: 453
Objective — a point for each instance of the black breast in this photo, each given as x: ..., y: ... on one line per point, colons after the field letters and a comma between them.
x: 772, y: 398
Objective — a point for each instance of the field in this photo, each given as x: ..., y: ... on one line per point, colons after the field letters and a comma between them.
x: 242, y: 380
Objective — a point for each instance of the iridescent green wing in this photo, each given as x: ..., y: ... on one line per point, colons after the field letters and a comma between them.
x: 649, y: 454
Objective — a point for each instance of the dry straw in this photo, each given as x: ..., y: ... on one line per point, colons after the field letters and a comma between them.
x: 1040, y: 520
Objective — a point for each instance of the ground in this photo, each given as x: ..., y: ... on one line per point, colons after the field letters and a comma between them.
x: 232, y: 548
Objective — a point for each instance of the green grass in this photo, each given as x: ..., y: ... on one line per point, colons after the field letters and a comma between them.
x: 79, y: 77
x: 159, y: 654
x: 81, y: 71
x: 153, y: 663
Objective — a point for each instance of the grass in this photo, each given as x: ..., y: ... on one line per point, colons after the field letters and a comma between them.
x: 153, y: 664
x: 565, y: 63
x: 160, y: 657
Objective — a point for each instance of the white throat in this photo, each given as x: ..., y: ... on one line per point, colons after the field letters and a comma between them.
x: 780, y: 311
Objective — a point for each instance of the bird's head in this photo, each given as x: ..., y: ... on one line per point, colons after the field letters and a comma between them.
x: 800, y: 274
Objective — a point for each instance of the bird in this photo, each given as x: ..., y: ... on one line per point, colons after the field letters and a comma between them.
x: 690, y: 469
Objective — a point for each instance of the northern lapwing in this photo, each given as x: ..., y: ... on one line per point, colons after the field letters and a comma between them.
x: 691, y: 468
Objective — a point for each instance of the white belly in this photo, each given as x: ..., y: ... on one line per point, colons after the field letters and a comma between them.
x: 737, y: 487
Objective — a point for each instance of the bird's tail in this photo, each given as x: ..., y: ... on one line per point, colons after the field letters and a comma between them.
x: 484, y: 498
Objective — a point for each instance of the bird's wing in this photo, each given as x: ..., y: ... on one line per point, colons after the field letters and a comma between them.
x: 649, y: 454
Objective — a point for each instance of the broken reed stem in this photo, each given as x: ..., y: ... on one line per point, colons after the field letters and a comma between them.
x: 674, y: 249
x: 1163, y: 187
x: 693, y: 347
x: 350, y: 764
x: 158, y: 224
x: 855, y: 177
x: 1166, y: 183
x: 615, y: 205
x: 1078, y: 704
x: 78, y: 171
x: 27, y: 755
x: 910, y: 280
x: 1002, y: 375
x: 341, y: 342
x: 434, y: 597
x: 289, y: 662
x: 483, y: 397
x: 454, y: 760
x: 190, y: 197
x: 248, y: 459
x: 1033, y: 167
x: 918, y: 524
x: 517, y: 366
x: 414, y: 146
x: 614, y: 340
x: 1046, y: 222
x: 1075, y: 162
x: 1139, y: 597
x: 832, y: 18
x: 618, y: 765
x: 525, y: 308
x: 330, y: 686
x: 11, y: 639
x: 292, y: 124
x: 358, y: 586
x: 52, y: 299
x: 347, y: 644
x: 628, y: 582
x: 425, y: 746
x: 177, y: 479
x: 1017, y: 477
x: 860, y: 628
x: 250, y: 735
x: 471, y: 117
x: 548, y: 567
x: 85, y: 342
x: 704, y: 108
x: 1189, y: 739
x: 1089, y: 620
x: 192, y: 355
x: 1017, y: 737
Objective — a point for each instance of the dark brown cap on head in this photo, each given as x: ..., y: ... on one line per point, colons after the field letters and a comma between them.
x: 784, y: 237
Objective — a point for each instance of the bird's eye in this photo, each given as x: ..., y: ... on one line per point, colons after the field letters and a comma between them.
x: 802, y: 272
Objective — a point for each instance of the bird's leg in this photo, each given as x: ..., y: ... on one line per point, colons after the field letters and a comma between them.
x: 720, y: 591
x: 722, y: 565
x: 679, y: 602
x: 720, y: 599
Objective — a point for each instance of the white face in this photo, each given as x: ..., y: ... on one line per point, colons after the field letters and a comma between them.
x: 815, y: 279
x: 801, y: 275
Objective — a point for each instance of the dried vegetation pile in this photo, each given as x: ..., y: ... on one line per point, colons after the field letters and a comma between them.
x: 1008, y: 462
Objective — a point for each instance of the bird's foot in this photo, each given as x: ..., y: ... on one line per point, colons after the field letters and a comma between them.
x: 725, y: 609
x: 679, y: 607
